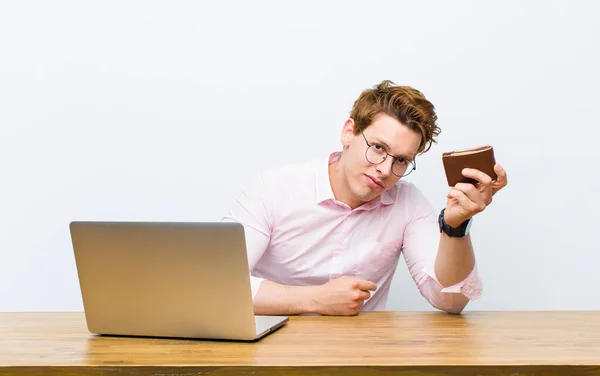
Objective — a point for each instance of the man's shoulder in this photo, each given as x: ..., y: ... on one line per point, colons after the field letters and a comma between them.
x: 405, y: 188
x: 411, y: 198
x: 406, y: 192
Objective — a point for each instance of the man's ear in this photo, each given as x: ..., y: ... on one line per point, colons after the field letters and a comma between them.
x: 348, y: 132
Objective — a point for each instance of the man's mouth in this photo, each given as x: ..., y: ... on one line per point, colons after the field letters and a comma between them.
x: 375, y: 181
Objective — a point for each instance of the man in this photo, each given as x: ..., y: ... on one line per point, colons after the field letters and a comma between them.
x: 325, y: 237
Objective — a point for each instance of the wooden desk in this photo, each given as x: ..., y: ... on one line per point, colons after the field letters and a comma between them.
x: 382, y: 343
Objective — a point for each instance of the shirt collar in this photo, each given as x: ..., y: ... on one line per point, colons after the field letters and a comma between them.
x: 324, y: 191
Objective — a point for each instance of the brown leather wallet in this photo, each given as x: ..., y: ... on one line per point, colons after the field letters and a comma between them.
x: 480, y: 158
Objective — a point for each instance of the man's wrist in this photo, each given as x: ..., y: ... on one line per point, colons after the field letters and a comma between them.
x: 310, y: 298
x: 453, y: 222
x: 452, y: 227
x: 305, y: 296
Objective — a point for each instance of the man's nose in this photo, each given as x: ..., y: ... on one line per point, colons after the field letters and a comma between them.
x: 385, y: 167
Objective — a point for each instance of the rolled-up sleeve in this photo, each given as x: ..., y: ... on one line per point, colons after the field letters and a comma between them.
x: 251, y: 209
x: 419, y: 248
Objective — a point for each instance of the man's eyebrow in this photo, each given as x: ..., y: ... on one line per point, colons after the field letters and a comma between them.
x: 387, y: 147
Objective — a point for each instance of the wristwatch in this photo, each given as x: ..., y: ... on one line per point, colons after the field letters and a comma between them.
x: 455, y: 232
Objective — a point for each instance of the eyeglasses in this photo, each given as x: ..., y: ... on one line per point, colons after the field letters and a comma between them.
x: 376, y: 154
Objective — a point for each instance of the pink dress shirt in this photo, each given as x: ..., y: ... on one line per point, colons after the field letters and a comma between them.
x: 298, y: 234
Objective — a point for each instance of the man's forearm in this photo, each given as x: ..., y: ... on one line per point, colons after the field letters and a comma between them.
x: 455, y: 259
x: 275, y: 299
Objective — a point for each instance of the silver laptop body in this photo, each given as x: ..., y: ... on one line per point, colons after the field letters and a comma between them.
x: 157, y: 279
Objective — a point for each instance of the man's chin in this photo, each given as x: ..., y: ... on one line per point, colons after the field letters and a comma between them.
x: 365, y: 193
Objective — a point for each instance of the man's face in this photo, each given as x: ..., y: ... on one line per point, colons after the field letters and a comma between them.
x: 365, y: 180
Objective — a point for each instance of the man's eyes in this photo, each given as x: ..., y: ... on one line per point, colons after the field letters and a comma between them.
x: 381, y: 149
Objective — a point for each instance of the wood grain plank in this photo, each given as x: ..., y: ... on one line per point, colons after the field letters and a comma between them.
x: 378, y: 343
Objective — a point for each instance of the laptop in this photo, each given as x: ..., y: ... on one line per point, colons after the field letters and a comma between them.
x: 176, y: 280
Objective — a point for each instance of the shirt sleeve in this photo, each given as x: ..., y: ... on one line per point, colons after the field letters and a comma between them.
x: 420, y: 247
x: 251, y: 209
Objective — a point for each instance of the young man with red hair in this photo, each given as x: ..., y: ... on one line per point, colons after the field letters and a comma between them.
x: 324, y: 237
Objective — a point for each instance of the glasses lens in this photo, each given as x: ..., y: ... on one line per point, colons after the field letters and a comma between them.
x: 375, y: 155
x: 402, y: 169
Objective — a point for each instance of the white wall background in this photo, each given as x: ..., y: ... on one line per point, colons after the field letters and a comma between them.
x: 148, y: 110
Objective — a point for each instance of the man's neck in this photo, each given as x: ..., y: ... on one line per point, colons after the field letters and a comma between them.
x: 339, y: 184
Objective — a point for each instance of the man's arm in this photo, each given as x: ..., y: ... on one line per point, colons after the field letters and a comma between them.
x: 275, y: 299
x: 428, y: 253
x: 344, y: 296
x: 455, y: 258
